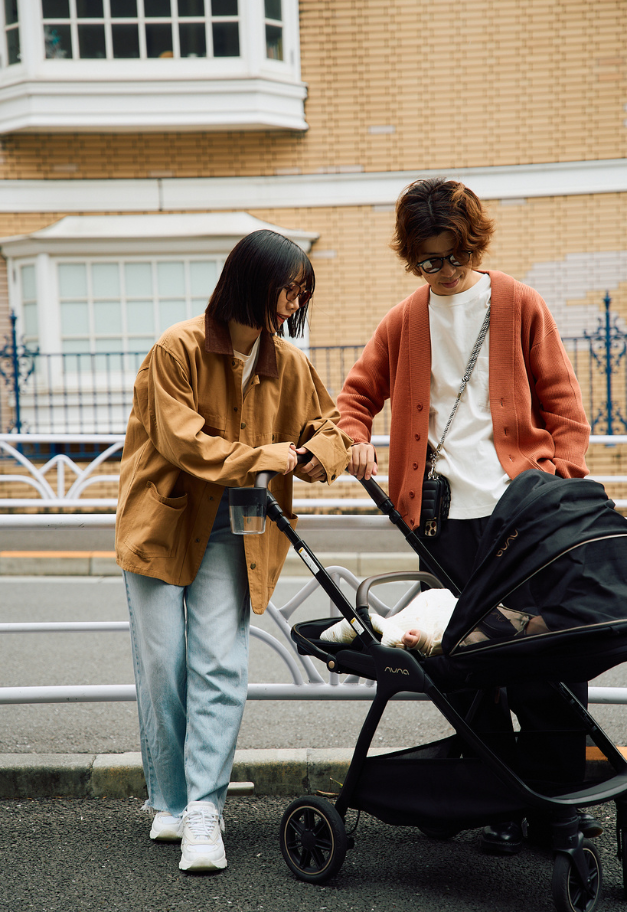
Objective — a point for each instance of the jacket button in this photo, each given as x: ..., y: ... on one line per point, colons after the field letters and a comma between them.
x: 333, y: 477
x: 197, y: 541
x: 252, y: 566
x: 243, y: 425
x: 233, y: 362
x: 234, y: 408
x: 419, y: 406
x: 416, y: 436
x: 412, y: 494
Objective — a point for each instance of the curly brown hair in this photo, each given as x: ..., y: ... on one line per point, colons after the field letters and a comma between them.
x: 428, y: 207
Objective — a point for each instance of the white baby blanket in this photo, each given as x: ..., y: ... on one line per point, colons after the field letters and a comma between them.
x: 429, y: 612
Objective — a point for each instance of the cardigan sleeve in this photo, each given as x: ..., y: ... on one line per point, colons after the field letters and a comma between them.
x: 560, y: 402
x: 366, y: 388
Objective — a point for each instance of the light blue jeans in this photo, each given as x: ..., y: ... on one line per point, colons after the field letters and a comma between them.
x: 190, y: 654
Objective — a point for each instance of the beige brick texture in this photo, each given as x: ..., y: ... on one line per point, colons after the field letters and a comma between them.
x: 467, y: 83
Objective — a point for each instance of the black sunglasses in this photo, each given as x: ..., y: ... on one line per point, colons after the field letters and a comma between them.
x: 434, y: 264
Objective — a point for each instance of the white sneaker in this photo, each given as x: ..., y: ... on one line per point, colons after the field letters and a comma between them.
x: 202, y: 848
x: 166, y: 828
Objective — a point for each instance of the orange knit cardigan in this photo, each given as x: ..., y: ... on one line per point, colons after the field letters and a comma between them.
x: 536, y: 405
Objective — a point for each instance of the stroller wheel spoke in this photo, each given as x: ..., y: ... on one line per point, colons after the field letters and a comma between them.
x: 313, y: 839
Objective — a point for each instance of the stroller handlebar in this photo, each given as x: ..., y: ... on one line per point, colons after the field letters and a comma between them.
x: 263, y: 479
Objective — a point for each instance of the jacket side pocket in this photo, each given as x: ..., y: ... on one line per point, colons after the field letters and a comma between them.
x: 158, y: 524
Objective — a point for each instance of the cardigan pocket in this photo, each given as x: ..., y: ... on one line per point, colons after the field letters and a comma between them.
x: 158, y: 523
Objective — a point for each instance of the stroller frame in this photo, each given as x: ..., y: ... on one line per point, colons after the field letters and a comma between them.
x: 313, y: 835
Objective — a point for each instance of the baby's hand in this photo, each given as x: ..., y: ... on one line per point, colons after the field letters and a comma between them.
x: 414, y: 639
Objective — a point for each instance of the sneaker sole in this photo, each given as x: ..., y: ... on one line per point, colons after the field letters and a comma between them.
x: 165, y: 836
x: 203, y: 864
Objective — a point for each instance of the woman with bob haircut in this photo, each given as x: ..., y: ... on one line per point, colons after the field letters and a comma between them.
x: 217, y: 400
x: 521, y: 409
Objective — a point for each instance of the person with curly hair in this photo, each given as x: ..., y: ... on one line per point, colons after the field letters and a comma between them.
x: 521, y: 409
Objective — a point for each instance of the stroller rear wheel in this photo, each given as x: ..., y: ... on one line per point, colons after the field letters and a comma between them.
x: 569, y: 895
x: 313, y: 839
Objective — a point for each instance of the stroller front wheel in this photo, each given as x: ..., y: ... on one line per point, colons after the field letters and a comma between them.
x: 313, y: 839
x: 569, y: 894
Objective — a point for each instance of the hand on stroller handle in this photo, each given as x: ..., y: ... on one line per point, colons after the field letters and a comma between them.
x: 263, y: 479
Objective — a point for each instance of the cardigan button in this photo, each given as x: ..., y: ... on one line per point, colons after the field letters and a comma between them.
x: 415, y: 465
x: 412, y: 494
x: 419, y: 406
x: 416, y: 436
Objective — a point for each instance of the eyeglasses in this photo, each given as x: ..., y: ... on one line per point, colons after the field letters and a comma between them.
x: 296, y: 292
x: 434, y: 264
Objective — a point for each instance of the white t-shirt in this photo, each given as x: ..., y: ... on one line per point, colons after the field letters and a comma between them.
x: 468, y: 458
x: 249, y: 362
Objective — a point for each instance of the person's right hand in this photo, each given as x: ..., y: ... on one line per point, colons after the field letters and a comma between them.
x: 292, y: 460
x: 363, y: 462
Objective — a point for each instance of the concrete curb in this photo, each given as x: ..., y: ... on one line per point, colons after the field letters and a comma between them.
x: 264, y: 772
x: 273, y: 772
x: 102, y: 563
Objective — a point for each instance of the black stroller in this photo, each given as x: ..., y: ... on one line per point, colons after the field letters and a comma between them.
x: 547, y: 600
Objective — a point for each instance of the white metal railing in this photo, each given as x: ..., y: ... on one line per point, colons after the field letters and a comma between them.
x: 49, y: 495
x: 306, y: 683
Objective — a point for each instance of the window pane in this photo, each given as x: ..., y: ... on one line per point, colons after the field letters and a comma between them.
x: 10, y: 12
x: 225, y: 39
x: 89, y: 9
x: 125, y: 41
x: 56, y: 9
x: 58, y: 41
x: 157, y: 8
x: 274, y: 42
x: 107, y: 317
x: 273, y: 10
x: 159, y: 40
x: 29, y: 287
x: 138, y: 280
x: 171, y: 279
x: 74, y: 345
x: 171, y: 312
x: 139, y: 317
x: 31, y: 327
x: 13, y: 46
x: 224, y: 7
x: 191, y: 7
x: 142, y: 344
x: 192, y: 38
x: 123, y: 9
x: 91, y: 42
x: 203, y: 277
x: 72, y: 280
x: 74, y: 318
x: 105, y: 279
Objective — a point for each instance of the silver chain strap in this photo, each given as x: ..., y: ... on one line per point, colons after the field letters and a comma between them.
x: 469, y: 369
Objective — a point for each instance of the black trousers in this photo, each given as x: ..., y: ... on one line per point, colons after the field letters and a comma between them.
x: 551, y: 746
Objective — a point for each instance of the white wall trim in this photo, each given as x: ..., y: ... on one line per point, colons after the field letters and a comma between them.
x: 305, y: 190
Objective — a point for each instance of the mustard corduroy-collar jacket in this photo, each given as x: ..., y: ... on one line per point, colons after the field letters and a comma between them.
x: 192, y: 432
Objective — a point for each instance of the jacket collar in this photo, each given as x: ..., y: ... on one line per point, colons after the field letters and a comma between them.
x: 218, y: 342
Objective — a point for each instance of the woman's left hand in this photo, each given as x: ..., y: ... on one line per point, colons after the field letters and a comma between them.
x: 313, y: 468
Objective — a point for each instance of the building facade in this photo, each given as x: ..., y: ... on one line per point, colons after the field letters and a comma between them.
x: 139, y: 139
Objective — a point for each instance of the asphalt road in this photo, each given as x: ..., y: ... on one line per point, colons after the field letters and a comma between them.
x: 105, y: 658
x: 95, y: 856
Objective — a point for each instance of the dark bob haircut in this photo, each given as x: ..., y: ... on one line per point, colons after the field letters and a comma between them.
x: 255, y: 272
x: 428, y: 207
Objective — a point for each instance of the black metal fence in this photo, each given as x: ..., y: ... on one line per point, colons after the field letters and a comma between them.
x: 86, y: 393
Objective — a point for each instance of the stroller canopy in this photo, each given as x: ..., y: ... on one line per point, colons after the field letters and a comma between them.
x: 554, y: 549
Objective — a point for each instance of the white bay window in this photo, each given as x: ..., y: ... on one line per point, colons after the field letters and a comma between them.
x: 150, y: 65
